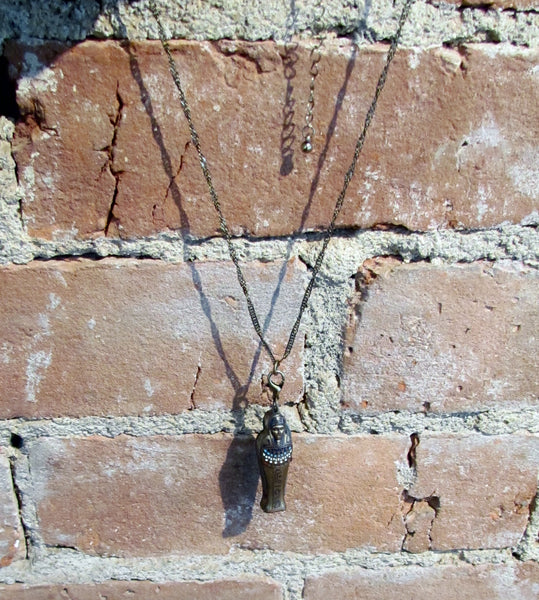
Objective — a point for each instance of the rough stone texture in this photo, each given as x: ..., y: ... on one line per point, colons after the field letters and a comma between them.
x: 11, y: 536
x: 120, y: 159
x: 431, y: 22
x: 481, y: 488
x: 442, y: 338
x: 128, y: 337
x: 466, y: 582
x: 198, y: 494
x: 247, y: 589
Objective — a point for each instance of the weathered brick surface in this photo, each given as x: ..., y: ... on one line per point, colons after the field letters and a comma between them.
x: 450, y: 144
x: 481, y: 488
x: 11, y: 536
x: 444, y: 339
x: 238, y: 589
x: 466, y: 582
x: 120, y: 337
x: 198, y: 494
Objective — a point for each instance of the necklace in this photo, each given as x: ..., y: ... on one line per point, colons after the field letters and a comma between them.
x: 274, y: 442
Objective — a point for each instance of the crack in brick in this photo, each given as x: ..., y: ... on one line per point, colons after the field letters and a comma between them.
x: 411, y: 456
x: 192, y: 397
x: 418, y: 514
x: 20, y: 204
x: 110, y: 158
x: 530, y: 537
x: 20, y: 503
x: 419, y: 508
x: 19, y: 185
x: 172, y: 189
x: 173, y: 179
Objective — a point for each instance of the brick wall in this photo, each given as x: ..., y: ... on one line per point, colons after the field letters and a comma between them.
x: 130, y: 375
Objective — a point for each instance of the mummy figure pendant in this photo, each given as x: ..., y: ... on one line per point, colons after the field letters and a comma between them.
x: 274, y: 451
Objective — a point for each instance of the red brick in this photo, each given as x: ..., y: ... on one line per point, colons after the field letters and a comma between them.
x: 65, y: 171
x: 237, y: 589
x: 196, y: 494
x: 484, y: 487
x: 442, y: 338
x: 12, y: 544
x: 450, y: 143
x: 465, y: 582
x: 118, y: 337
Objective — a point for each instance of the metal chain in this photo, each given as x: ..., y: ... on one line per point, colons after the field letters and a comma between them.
x: 316, y: 56
x: 338, y: 206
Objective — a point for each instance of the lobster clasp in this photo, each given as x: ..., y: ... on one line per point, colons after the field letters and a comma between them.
x: 276, y: 382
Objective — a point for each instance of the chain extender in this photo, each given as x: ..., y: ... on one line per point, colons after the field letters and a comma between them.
x: 338, y: 205
x: 316, y: 56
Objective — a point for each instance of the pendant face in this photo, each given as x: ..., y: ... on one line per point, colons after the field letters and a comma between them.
x: 274, y: 451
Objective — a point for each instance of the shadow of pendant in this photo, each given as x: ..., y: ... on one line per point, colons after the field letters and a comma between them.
x: 274, y: 452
